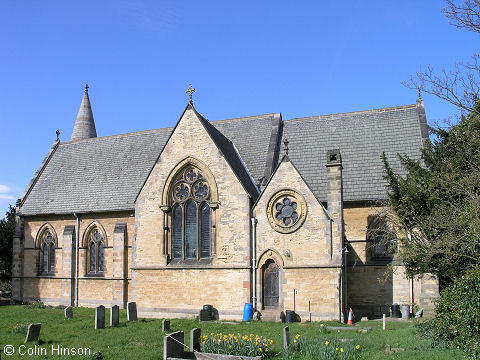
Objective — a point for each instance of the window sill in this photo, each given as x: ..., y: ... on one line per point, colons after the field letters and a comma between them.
x: 189, y: 262
x: 95, y: 275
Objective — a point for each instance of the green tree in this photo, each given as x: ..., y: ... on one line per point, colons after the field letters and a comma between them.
x: 438, y: 201
x: 7, y: 228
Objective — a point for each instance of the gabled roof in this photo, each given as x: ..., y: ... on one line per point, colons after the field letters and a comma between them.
x: 361, y: 137
x: 106, y: 173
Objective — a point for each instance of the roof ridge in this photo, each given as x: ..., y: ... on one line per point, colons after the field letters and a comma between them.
x: 392, y: 108
x: 118, y: 135
x: 243, y: 118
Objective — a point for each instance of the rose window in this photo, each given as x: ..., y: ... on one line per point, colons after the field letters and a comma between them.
x: 200, y: 191
x: 182, y: 192
x: 286, y: 211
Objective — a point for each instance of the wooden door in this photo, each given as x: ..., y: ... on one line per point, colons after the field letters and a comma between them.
x: 270, y: 284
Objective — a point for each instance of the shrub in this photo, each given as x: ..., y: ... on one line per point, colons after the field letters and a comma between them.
x: 20, y: 329
x: 457, y: 313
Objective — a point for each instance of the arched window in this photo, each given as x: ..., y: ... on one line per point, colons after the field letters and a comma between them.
x: 48, y: 253
x: 381, y: 237
x: 191, y: 216
x: 96, y: 245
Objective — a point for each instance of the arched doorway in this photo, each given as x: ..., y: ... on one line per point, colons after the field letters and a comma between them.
x: 270, y: 274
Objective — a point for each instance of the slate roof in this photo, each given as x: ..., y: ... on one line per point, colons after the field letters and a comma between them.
x: 361, y: 137
x: 106, y: 173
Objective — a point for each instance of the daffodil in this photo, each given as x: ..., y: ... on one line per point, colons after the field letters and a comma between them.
x: 327, y: 342
x: 357, y: 347
x: 322, y: 325
x: 341, y: 349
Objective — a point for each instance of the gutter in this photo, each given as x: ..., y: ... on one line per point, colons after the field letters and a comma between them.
x: 77, y: 239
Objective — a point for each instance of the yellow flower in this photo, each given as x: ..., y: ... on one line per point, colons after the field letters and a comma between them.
x: 230, y: 347
x: 341, y: 349
x: 322, y: 325
x: 298, y: 335
x: 357, y: 347
x: 327, y: 342
x: 336, y: 349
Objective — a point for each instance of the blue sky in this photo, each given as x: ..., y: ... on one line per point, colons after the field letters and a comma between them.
x: 300, y: 58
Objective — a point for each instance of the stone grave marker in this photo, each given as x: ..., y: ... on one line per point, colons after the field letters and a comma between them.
x: 286, y: 338
x: 132, y: 311
x: 68, y: 312
x: 114, y: 315
x: 33, y: 332
x: 173, y: 345
x: 165, y: 325
x: 195, y: 335
x: 100, y: 317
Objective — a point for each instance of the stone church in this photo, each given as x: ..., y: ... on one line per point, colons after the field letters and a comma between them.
x: 283, y: 214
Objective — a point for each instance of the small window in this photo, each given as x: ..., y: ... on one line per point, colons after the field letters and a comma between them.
x: 48, y: 253
x: 381, y: 237
x: 96, y: 251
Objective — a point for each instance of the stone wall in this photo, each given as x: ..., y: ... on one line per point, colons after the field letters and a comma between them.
x: 58, y: 288
x: 161, y: 288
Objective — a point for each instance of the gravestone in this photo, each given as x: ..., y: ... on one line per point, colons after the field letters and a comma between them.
x: 100, y: 317
x: 173, y: 345
x: 132, y: 311
x: 195, y: 335
x: 68, y: 312
x: 203, y: 315
x: 33, y: 332
x: 286, y: 338
x: 165, y: 325
x: 114, y: 315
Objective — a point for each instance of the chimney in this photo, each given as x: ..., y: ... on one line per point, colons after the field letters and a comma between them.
x: 335, y: 200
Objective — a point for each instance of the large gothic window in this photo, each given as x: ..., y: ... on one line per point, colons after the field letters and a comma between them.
x: 381, y: 237
x: 48, y: 253
x: 96, y: 249
x: 191, y: 216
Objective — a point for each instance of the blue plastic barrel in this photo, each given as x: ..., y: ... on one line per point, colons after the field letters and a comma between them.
x: 247, y: 312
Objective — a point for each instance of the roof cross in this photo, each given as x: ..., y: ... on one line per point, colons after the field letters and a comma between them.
x: 285, y: 147
x: 86, y: 88
x: 190, y: 92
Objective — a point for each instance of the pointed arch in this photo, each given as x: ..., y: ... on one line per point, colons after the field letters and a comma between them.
x: 189, y: 200
x: 183, y: 165
x: 95, y: 240
x: 42, y: 232
x: 270, y: 254
x: 90, y: 228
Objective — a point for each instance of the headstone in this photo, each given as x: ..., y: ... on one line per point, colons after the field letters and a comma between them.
x: 256, y: 315
x: 419, y: 314
x: 33, y: 332
x: 68, y: 312
x: 132, y: 311
x: 286, y: 338
x: 100, y: 317
x: 165, y: 325
x: 203, y: 315
x: 173, y: 345
x: 114, y: 315
x: 195, y: 335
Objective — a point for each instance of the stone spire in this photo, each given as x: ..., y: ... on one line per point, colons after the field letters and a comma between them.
x: 85, y: 125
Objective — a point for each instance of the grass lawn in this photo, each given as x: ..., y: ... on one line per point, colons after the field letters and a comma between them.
x: 143, y: 339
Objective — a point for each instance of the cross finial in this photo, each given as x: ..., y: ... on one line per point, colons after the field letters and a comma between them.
x: 58, y: 134
x: 419, y: 92
x: 285, y: 146
x: 190, y: 92
x: 86, y: 88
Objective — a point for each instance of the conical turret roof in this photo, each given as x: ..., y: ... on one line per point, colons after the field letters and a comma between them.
x: 85, y: 124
